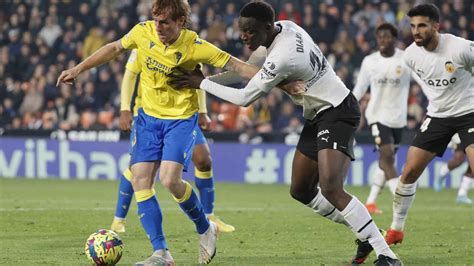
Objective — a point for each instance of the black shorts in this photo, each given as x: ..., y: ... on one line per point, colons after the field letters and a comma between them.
x: 333, y: 128
x: 386, y: 135
x: 435, y: 134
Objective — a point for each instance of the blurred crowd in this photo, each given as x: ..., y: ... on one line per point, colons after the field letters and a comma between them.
x: 40, y: 38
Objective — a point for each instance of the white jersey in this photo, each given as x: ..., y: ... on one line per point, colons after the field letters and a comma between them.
x: 292, y: 56
x: 446, y: 73
x: 389, y: 81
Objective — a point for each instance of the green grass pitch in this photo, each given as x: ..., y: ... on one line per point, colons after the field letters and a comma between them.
x: 47, y: 222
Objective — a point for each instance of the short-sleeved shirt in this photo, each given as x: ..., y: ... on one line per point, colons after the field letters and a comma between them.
x: 446, y: 73
x: 158, y: 60
x: 293, y: 55
x: 389, y: 81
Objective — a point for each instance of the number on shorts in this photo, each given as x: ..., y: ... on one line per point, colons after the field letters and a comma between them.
x: 425, y: 124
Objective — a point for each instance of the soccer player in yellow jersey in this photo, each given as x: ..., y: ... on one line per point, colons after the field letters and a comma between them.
x: 201, y: 154
x: 165, y: 128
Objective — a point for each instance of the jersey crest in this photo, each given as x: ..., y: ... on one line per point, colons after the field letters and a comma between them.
x: 449, y: 66
x: 179, y: 55
x: 398, y: 71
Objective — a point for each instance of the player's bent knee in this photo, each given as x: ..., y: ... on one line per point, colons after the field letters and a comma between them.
x: 302, y: 195
x: 170, y: 183
x: 141, y: 182
x: 331, y: 193
x: 458, y: 159
x: 204, y: 164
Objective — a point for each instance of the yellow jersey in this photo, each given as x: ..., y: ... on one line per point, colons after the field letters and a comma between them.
x: 158, y: 60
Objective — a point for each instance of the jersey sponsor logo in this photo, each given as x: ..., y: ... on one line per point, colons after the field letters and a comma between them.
x: 440, y: 82
x: 449, y: 67
x: 179, y: 55
x: 322, y: 132
x: 154, y: 65
x: 299, y: 43
x: 386, y: 81
x: 266, y: 73
x: 152, y: 44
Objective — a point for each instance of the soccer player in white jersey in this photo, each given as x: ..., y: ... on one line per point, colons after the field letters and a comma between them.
x: 455, y: 162
x: 444, y: 63
x: 389, y: 81
x: 325, y: 148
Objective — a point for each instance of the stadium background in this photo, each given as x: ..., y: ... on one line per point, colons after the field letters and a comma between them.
x: 39, y: 39
x: 71, y: 133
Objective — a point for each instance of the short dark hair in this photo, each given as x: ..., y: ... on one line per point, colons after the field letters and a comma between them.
x: 426, y: 10
x: 387, y: 26
x: 260, y: 11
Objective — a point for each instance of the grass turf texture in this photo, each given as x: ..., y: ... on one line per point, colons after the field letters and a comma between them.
x: 48, y: 221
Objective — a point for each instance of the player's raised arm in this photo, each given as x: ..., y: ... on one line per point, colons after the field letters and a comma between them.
x: 103, y: 55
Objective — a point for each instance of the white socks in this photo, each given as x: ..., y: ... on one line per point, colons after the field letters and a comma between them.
x: 377, y: 185
x: 402, y: 201
x: 323, y: 207
x: 392, y: 184
x: 464, y: 186
x: 364, y: 227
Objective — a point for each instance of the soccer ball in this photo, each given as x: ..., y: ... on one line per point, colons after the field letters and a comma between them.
x: 104, y: 247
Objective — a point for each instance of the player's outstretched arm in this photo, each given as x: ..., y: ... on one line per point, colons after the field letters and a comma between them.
x: 244, y: 69
x: 257, y: 58
x: 103, y: 55
x: 195, y: 79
